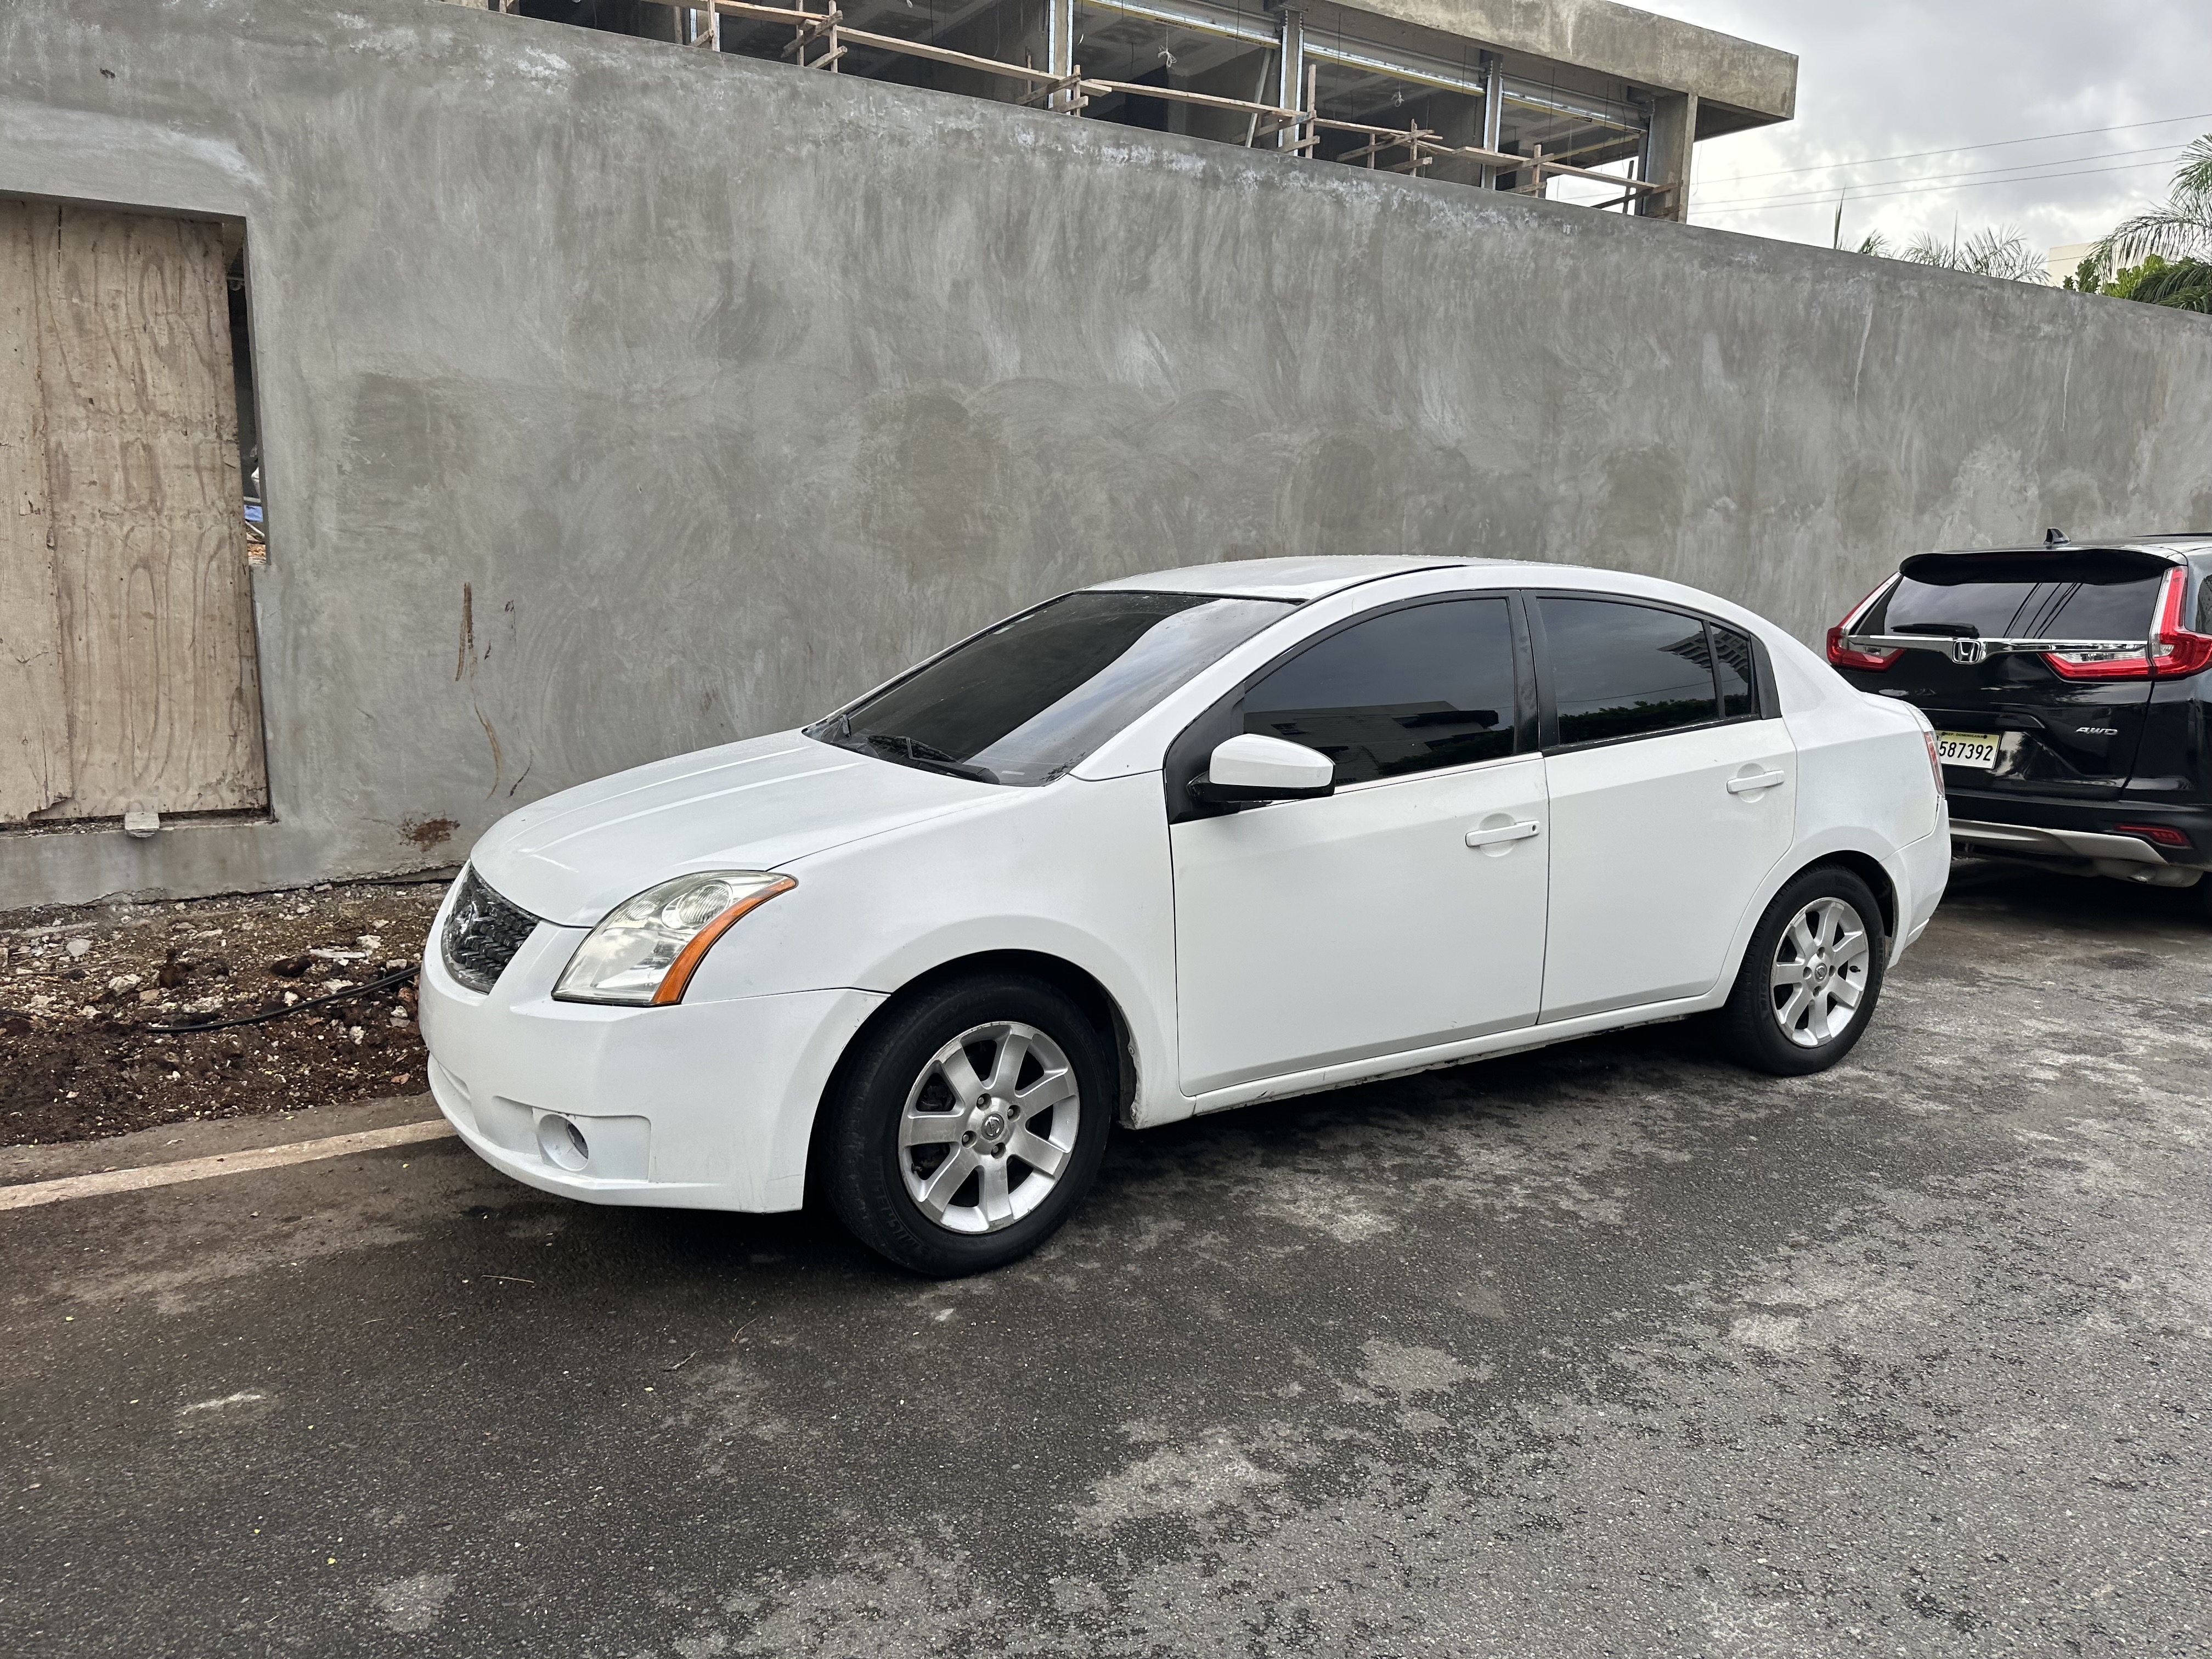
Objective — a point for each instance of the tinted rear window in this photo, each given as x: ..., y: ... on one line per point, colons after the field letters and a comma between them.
x: 2116, y: 610
x: 1023, y: 703
x: 1737, y: 667
x: 1620, y: 670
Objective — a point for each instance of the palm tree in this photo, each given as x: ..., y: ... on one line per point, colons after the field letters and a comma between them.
x: 2003, y: 253
x: 2178, y: 228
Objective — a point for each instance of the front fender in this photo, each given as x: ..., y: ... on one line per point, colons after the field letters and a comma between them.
x: 1077, y: 870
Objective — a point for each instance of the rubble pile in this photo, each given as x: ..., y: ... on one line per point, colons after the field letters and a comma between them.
x: 80, y: 988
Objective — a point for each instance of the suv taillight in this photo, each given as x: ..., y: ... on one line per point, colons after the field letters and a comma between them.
x: 1841, y: 655
x: 1934, y: 762
x: 2175, y: 651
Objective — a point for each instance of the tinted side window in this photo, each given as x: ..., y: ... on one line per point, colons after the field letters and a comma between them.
x: 1737, y: 667
x: 1406, y: 691
x: 1625, y: 670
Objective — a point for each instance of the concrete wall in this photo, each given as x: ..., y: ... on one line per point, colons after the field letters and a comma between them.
x: 620, y: 398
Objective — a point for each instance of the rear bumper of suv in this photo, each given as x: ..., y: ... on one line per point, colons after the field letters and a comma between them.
x: 2087, y: 835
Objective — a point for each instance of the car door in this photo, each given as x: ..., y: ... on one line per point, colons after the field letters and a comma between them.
x: 1406, y: 908
x: 1673, y: 787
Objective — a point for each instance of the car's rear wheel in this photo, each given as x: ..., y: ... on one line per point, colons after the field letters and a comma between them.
x: 1811, y: 976
x: 968, y: 1124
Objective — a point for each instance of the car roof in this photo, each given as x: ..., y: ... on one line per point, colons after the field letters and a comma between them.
x: 1285, y: 579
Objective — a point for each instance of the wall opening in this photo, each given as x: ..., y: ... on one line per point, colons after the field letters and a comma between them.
x: 128, y: 676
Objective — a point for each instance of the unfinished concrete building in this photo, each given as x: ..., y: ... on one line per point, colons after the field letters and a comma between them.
x: 1505, y: 94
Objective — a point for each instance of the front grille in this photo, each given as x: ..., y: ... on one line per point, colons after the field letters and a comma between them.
x: 483, y: 932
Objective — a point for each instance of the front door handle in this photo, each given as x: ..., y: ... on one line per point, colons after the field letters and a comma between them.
x: 1756, y: 780
x: 1519, y: 831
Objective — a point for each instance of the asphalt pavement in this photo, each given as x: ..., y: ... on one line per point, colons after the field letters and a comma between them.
x: 1609, y: 1350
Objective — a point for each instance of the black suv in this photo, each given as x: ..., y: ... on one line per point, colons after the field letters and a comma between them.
x: 2068, y: 688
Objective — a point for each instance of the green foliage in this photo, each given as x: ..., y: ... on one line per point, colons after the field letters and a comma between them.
x: 2179, y: 229
x: 2003, y: 253
x: 2183, y: 284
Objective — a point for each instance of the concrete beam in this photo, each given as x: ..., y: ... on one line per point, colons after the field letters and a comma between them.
x: 1654, y: 51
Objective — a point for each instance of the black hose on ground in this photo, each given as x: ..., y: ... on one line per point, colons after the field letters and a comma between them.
x: 398, y: 977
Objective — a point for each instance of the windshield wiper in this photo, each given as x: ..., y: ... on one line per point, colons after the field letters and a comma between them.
x: 915, y: 752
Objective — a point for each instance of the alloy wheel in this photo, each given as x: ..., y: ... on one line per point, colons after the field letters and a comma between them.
x: 988, y: 1127
x: 1820, y: 973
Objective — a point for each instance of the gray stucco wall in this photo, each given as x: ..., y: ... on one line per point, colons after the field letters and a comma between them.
x: 722, y: 389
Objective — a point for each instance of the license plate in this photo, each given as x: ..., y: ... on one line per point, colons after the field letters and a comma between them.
x: 1967, y: 749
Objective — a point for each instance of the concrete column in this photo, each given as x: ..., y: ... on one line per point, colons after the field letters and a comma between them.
x: 1291, y: 72
x: 1667, y: 150
x: 1493, y: 111
x: 1060, y: 42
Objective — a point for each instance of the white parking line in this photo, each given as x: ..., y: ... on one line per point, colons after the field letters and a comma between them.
x: 198, y: 1168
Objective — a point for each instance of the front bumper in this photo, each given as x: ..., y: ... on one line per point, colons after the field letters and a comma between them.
x: 698, y: 1106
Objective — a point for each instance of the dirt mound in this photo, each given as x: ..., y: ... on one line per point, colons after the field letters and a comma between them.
x: 78, y: 985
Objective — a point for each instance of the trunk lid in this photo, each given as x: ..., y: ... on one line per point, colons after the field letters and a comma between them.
x: 2056, y: 736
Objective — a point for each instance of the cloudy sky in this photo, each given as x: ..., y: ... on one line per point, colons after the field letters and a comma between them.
x: 1879, y: 78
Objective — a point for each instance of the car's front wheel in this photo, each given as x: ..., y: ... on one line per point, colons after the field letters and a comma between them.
x: 1810, y: 977
x: 968, y: 1124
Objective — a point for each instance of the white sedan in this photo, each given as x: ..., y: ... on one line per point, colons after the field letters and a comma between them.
x: 1166, y: 846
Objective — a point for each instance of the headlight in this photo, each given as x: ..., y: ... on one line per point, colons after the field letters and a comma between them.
x: 647, y: 950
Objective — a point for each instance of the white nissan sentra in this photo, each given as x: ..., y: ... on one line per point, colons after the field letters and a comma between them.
x: 1170, y: 845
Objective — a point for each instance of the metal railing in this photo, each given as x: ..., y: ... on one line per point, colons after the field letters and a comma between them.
x: 821, y: 39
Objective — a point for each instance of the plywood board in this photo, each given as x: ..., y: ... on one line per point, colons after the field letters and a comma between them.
x: 149, y: 560
x: 34, y: 759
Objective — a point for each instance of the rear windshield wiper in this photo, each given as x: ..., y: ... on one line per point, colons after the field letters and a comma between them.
x: 915, y: 752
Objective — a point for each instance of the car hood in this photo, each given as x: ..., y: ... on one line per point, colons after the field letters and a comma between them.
x: 573, y: 857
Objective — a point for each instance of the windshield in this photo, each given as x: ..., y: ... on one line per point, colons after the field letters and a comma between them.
x: 1023, y: 703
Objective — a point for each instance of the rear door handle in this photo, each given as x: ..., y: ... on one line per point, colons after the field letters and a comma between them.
x: 1519, y: 831
x: 1756, y: 780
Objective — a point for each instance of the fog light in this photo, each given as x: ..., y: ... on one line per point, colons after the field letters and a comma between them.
x: 562, y: 1143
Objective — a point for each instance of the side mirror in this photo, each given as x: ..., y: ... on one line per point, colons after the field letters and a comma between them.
x: 1254, y: 768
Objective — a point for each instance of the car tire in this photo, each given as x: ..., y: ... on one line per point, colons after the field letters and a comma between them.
x: 1810, y: 976
x: 930, y: 1162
